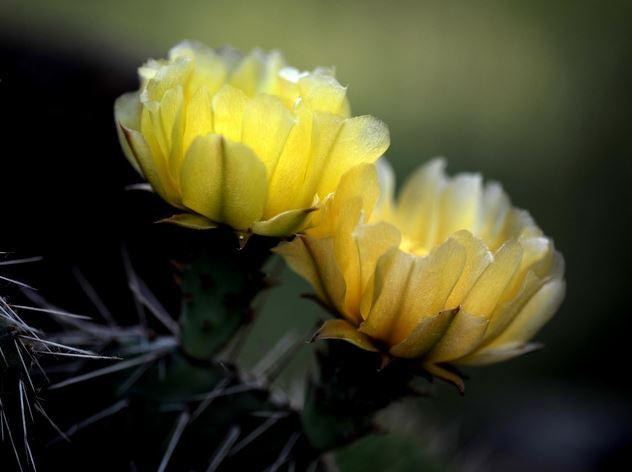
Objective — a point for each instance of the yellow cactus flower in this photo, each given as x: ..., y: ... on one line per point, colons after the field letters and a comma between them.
x: 244, y: 141
x: 449, y: 273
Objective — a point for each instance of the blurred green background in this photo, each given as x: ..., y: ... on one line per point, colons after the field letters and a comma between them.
x: 533, y: 94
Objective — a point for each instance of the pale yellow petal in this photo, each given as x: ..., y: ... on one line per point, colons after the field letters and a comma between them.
x: 361, y: 139
x: 201, y: 177
x: 425, y: 335
x: 322, y: 92
x: 224, y: 181
x: 199, y: 118
x: 343, y: 330
x: 288, y: 177
x: 189, y: 220
x: 153, y: 169
x: 210, y: 70
x: 247, y: 75
x: 496, y: 207
x: 127, y: 113
x: 173, y: 115
x: 325, y: 130
x: 283, y: 224
x: 384, y: 209
x: 460, y: 205
x: 228, y: 112
x: 166, y: 78
x: 505, y: 352
x: 266, y: 127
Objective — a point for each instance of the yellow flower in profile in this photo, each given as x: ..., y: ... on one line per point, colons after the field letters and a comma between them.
x: 244, y: 141
x: 449, y: 273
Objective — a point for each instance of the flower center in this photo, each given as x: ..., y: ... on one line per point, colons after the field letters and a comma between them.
x: 413, y: 247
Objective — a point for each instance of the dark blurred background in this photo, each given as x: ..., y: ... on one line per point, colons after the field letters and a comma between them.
x: 533, y: 94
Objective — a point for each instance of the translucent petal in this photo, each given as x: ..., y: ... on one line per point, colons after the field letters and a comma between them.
x: 266, y: 127
x: 224, y: 181
x: 361, y: 139
x: 228, y: 112
x: 322, y: 93
x: 418, y: 204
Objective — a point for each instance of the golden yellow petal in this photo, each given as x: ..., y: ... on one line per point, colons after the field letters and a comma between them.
x: 446, y: 375
x: 224, y: 181
x: 189, y: 220
x: 430, y: 282
x: 228, y: 112
x: 313, y: 259
x: 535, y: 314
x: 464, y: 334
x: 343, y: 330
x: 372, y: 242
x: 477, y: 259
x: 300, y: 260
x: 425, y: 335
x: 322, y: 252
x: 392, y: 273
x: 485, y: 294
